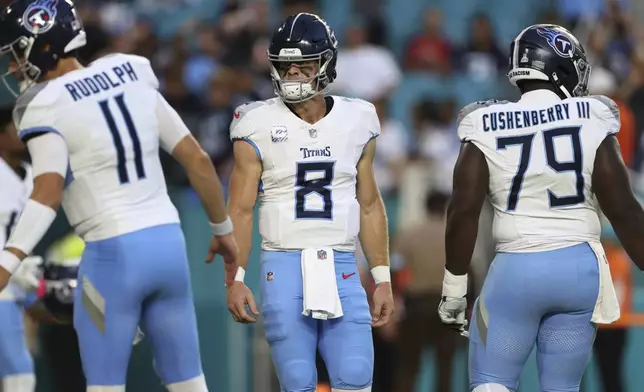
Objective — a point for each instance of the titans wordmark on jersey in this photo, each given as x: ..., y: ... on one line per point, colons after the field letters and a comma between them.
x: 541, y: 153
x: 308, y: 185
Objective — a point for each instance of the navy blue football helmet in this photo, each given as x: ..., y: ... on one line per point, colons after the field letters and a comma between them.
x: 550, y: 53
x: 305, y: 39
x: 60, y: 283
x: 36, y: 34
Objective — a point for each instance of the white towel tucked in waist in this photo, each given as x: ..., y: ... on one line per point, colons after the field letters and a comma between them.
x: 607, y: 305
x: 320, y: 287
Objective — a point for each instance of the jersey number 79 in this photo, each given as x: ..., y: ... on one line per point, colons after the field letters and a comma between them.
x: 121, y: 167
x: 576, y: 165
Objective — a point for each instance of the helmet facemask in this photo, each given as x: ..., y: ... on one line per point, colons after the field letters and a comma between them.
x: 300, y: 90
x: 583, y: 74
x: 19, y: 68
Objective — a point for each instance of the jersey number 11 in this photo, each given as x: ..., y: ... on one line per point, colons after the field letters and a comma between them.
x: 124, y: 177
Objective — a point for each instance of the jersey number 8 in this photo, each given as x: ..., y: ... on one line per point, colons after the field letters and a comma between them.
x: 321, y: 186
x: 118, y: 142
x: 576, y: 165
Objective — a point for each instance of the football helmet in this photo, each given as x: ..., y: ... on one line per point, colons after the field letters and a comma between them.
x: 304, y: 39
x: 550, y: 53
x: 35, y: 34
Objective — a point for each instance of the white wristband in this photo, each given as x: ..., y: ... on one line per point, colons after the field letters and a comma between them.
x: 9, y: 261
x: 32, y: 225
x: 239, y: 276
x: 454, y: 286
x: 381, y: 274
x: 222, y: 228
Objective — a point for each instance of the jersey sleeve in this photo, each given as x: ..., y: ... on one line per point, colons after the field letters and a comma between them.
x: 465, y: 123
x: 242, y: 127
x: 32, y: 114
x: 373, y: 122
x: 171, y: 127
x: 607, y: 112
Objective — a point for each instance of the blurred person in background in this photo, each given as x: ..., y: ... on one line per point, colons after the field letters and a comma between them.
x: 481, y: 59
x: 421, y: 249
x: 16, y: 183
x: 430, y: 51
x: 60, y: 351
x: 212, y: 133
x: 361, y: 64
x: 312, y: 154
x: 113, y: 199
x: 391, y: 154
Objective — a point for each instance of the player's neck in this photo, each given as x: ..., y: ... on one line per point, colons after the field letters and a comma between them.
x: 65, y: 66
x: 312, y: 110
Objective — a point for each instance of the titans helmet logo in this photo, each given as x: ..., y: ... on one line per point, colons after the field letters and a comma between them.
x: 562, y: 45
x: 39, y: 16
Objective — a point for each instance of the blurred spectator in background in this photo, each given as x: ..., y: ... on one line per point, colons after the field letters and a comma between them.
x: 436, y: 139
x: 421, y: 249
x: 365, y: 70
x: 60, y: 342
x: 481, y: 59
x: 391, y: 154
x: 429, y: 50
x: 212, y: 132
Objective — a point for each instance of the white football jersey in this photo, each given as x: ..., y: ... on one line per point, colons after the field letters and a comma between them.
x: 107, y: 114
x: 540, y: 153
x: 14, y: 192
x: 307, y: 195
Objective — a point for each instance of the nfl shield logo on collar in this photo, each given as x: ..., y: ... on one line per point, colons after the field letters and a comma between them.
x: 270, y: 275
x: 321, y: 255
x: 313, y: 133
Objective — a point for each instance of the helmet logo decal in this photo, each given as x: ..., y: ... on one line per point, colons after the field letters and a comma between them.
x: 39, y: 16
x: 562, y: 45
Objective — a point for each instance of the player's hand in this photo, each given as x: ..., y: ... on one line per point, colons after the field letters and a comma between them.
x: 452, y: 313
x: 238, y: 297
x: 27, y: 276
x: 224, y: 245
x: 383, y: 304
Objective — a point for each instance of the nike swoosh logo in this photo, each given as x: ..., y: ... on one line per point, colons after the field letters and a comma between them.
x: 347, y: 276
x: 236, y: 114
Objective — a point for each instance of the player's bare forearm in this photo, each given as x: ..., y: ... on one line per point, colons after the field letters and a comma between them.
x: 244, y: 184
x: 202, y: 176
x: 374, y: 236
x: 460, y: 238
x: 471, y: 179
x: 205, y: 181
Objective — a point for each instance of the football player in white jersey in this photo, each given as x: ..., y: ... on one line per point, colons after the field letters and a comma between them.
x: 94, y: 135
x: 16, y: 364
x: 548, y: 163
x: 309, y: 159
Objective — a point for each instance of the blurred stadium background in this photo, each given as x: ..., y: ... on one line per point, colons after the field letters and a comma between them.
x: 419, y: 61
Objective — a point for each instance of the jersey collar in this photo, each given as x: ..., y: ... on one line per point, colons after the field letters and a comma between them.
x: 540, y: 95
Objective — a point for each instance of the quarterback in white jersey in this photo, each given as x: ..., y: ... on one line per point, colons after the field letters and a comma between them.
x: 308, y: 159
x: 94, y: 134
x: 548, y: 163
